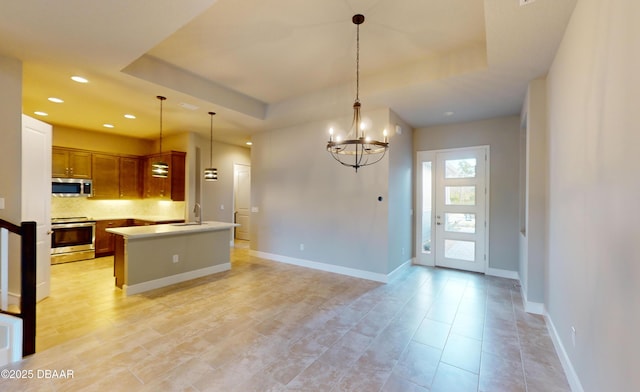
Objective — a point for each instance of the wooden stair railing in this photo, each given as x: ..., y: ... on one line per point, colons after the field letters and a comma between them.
x: 27, y: 233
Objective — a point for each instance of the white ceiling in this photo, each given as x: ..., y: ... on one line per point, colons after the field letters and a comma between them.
x: 267, y: 64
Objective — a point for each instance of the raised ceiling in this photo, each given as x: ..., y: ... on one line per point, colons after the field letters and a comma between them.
x: 268, y: 64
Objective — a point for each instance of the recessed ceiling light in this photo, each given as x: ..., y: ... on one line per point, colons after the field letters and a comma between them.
x: 41, y: 113
x: 108, y: 125
x: 130, y: 116
x: 79, y: 79
x: 189, y: 106
x: 249, y: 143
x: 54, y: 99
x: 448, y: 114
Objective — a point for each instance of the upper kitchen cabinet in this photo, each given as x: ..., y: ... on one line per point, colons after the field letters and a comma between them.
x: 70, y: 163
x: 116, y: 177
x: 130, y: 178
x: 106, y: 176
x: 172, y: 187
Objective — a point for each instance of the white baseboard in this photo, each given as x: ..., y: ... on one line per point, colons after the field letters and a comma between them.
x: 570, y: 372
x: 14, y: 299
x: 531, y: 307
x: 501, y: 273
x: 336, y: 269
x: 173, y: 279
x: 400, y: 268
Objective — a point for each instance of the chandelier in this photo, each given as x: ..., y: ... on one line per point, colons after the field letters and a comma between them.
x: 211, y: 173
x: 160, y: 168
x: 361, y: 150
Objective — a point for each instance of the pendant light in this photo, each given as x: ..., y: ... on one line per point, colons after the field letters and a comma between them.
x: 160, y: 169
x: 211, y: 173
x: 362, y: 150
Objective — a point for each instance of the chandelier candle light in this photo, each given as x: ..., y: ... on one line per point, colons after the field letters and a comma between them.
x: 362, y: 150
x: 160, y: 169
x: 211, y: 173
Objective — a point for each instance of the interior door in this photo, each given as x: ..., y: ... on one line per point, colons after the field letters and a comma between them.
x: 452, y: 227
x: 36, y: 191
x: 242, y: 197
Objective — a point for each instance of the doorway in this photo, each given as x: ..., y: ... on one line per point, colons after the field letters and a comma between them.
x: 241, y: 200
x: 452, y: 196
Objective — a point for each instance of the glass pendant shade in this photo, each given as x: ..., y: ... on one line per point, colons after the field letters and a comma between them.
x: 211, y: 173
x: 160, y: 169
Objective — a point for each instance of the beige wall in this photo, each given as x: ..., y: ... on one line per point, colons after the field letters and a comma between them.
x: 593, y: 90
x: 10, y: 138
x: 99, y: 141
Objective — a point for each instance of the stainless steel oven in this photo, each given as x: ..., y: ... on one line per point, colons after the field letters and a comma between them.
x: 72, y: 239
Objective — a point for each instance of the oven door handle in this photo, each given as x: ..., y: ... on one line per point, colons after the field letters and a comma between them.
x: 72, y: 225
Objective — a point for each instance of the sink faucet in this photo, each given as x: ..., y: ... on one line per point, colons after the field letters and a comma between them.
x: 197, y: 210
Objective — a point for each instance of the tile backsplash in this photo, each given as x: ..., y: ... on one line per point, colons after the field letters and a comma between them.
x: 62, y: 207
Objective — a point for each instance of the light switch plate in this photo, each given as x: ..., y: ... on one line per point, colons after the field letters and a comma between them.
x: 255, y: 209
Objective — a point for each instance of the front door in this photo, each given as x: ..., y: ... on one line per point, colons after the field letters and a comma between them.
x: 36, y: 195
x: 452, y: 200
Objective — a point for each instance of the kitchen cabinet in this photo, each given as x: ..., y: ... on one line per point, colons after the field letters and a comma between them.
x: 130, y: 179
x: 116, y: 177
x: 170, y: 188
x: 106, y: 176
x: 70, y: 163
x: 105, y: 242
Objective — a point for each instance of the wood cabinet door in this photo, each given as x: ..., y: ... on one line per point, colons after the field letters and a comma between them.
x: 80, y: 164
x: 105, y: 242
x: 67, y: 163
x: 59, y: 163
x: 130, y: 184
x: 106, y: 176
x: 154, y: 187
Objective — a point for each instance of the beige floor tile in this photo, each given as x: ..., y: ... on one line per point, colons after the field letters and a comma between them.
x: 267, y: 326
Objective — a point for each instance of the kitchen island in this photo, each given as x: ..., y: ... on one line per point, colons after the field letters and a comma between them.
x: 150, y: 257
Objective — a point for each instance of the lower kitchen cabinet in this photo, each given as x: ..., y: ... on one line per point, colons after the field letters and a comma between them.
x: 105, y: 242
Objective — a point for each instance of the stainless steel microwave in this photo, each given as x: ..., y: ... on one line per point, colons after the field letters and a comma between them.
x: 71, y: 187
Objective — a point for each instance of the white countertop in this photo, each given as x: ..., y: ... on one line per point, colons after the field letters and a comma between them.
x: 134, y: 232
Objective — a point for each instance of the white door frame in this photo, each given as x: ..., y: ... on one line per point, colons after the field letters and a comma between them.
x: 428, y: 259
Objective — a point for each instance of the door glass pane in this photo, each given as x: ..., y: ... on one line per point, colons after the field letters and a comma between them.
x: 461, y: 250
x: 460, y: 195
x: 426, y: 207
x: 460, y: 223
x: 460, y: 168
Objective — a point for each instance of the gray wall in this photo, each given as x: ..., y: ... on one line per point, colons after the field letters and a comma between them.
x: 220, y: 193
x: 593, y: 269
x: 400, y: 193
x: 533, y: 239
x: 502, y: 135
x: 305, y: 197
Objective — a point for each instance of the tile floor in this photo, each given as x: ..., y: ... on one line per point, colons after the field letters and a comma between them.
x: 266, y: 326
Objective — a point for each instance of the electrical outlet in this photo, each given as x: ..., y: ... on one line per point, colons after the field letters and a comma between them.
x: 525, y: 2
x: 573, y: 336
x: 176, y: 258
x: 301, y: 246
x: 255, y: 209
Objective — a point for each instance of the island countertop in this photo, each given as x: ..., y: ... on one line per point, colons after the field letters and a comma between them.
x: 170, y: 229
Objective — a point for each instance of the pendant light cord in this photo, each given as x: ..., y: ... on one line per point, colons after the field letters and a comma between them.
x: 211, y: 140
